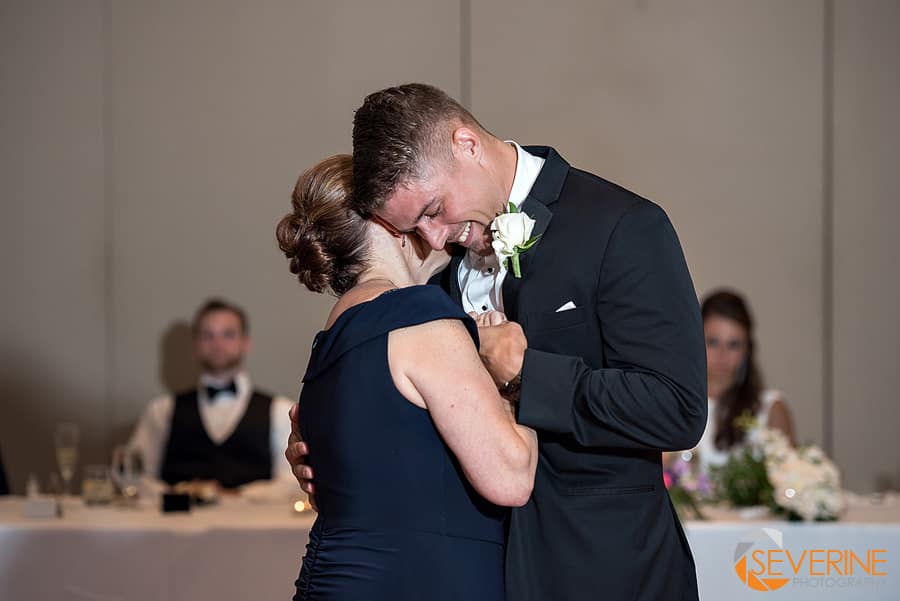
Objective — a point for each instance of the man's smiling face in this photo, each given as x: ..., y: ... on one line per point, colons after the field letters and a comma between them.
x: 453, y: 204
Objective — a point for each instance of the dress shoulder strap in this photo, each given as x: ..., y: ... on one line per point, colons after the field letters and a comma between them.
x: 392, y: 310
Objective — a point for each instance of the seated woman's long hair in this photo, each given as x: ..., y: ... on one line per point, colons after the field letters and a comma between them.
x: 744, y: 393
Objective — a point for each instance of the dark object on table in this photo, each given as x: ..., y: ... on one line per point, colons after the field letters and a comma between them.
x: 175, y: 502
x: 4, y: 487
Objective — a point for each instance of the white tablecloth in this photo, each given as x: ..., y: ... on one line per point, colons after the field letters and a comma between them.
x: 244, y: 551
x: 232, y: 551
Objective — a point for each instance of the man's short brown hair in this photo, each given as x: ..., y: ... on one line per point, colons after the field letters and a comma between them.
x: 214, y: 305
x: 398, y: 133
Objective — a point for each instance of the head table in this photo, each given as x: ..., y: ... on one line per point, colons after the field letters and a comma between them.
x: 243, y: 550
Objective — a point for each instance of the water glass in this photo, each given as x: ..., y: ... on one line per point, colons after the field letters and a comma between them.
x: 97, y: 486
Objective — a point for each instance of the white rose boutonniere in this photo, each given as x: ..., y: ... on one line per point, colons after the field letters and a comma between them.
x: 511, y: 232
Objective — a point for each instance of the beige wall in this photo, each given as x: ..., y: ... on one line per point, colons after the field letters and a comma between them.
x: 866, y: 243
x: 53, y: 231
x: 215, y: 113
x: 149, y: 149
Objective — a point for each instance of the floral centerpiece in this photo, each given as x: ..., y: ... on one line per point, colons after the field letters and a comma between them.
x: 802, y: 484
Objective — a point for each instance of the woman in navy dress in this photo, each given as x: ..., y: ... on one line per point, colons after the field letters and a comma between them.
x: 414, y: 450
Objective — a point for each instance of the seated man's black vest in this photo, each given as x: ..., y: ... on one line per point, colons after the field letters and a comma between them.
x: 244, y: 457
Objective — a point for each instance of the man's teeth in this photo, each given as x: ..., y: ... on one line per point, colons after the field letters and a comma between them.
x: 465, y: 235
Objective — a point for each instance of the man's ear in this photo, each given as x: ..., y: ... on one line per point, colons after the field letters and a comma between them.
x: 467, y: 143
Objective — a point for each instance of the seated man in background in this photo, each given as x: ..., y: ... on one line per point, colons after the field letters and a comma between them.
x: 223, y: 432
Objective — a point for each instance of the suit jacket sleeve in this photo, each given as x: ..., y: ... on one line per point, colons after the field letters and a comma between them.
x: 650, y: 392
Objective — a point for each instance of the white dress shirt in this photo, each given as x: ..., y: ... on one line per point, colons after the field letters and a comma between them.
x: 481, y: 278
x: 220, y: 419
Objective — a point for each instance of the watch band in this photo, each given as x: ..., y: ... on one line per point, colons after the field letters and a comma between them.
x: 514, y: 385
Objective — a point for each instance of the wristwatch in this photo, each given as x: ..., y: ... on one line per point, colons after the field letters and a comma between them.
x: 514, y: 385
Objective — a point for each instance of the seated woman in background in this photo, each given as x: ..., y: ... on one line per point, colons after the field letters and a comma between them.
x: 734, y: 381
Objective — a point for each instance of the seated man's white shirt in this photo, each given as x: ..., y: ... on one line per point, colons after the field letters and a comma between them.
x: 481, y: 278
x: 220, y: 418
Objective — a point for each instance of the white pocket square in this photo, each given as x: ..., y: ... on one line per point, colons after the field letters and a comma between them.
x: 567, y: 307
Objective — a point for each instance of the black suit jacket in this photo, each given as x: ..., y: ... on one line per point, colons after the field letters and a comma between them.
x: 608, y: 386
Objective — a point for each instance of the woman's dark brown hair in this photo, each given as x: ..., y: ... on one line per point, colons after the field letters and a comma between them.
x: 743, y: 394
x: 322, y: 238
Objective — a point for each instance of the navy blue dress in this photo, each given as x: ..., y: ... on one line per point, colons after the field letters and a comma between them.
x: 397, y: 519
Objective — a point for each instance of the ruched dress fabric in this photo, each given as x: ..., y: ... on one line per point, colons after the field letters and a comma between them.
x: 397, y: 519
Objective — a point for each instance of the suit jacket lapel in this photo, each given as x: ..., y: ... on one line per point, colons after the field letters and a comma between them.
x: 545, y: 191
x: 511, y: 284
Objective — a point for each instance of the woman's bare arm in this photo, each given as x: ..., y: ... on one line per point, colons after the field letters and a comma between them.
x: 436, y: 366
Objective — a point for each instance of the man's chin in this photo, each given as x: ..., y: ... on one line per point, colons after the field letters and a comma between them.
x: 482, y: 250
x: 480, y: 245
x: 476, y: 247
x: 220, y: 367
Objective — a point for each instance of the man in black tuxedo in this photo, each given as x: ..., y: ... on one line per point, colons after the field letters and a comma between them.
x: 224, y: 433
x: 604, y: 342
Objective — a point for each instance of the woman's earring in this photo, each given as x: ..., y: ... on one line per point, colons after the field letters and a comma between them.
x: 403, y: 240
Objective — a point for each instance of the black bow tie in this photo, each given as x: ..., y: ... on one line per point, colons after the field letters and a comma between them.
x: 213, y: 391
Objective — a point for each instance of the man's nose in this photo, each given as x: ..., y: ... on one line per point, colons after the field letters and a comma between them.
x: 435, y: 235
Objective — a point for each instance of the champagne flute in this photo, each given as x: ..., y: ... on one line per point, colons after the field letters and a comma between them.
x: 67, y: 436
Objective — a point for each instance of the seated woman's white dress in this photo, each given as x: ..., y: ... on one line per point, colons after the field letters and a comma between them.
x: 708, y: 454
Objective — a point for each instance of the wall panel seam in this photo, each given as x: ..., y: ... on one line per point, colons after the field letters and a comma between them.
x: 108, y: 223
x: 465, y: 52
x: 828, y: 237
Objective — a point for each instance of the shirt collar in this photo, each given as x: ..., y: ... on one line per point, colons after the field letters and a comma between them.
x: 528, y: 167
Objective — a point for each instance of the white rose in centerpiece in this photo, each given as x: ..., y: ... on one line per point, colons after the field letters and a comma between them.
x: 808, y: 484
x: 814, y: 454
